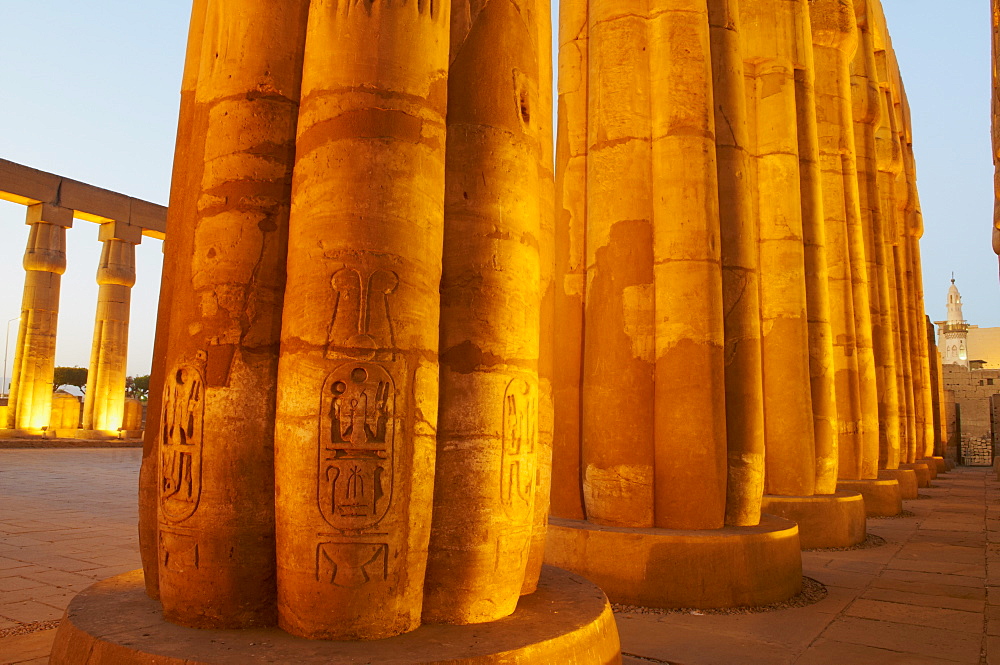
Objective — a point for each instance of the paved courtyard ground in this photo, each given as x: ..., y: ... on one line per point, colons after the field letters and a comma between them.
x: 929, y: 595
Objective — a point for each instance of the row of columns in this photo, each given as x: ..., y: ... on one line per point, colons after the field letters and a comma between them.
x: 753, y: 224
x: 30, y: 398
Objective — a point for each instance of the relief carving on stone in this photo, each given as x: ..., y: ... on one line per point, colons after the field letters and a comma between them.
x: 520, y: 436
x: 356, y: 438
x: 362, y: 320
x: 181, y: 443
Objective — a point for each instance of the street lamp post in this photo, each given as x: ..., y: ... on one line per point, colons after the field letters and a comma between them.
x: 6, y: 348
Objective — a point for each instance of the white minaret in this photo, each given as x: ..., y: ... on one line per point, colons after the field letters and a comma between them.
x: 954, y: 350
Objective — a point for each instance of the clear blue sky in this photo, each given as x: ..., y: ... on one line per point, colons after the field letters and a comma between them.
x: 90, y: 91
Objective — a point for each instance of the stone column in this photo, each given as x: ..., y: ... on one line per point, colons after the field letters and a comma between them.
x: 488, y: 423
x: 889, y: 158
x: 104, y: 402
x: 570, y: 265
x: 688, y: 331
x: 184, y: 187
x: 788, y: 414
x: 30, y: 398
x: 226, y: 255
x: 821, y: 362
x: 547, y: 288
x: 358, y: 386
x: 619, y: 354
x: 740, y: 272
x: 835, y: 40
x: 876, y: 251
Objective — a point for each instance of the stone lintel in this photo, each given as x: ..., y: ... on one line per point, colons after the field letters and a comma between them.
x: 27, y: 186
x: 568, y: 620
x: 120, y: 231
x: 47, y: 213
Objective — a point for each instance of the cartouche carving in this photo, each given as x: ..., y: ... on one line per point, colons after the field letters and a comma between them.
x: 356, y: 437
x: 181, y: 443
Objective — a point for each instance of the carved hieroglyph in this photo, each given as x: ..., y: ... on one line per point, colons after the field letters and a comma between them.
x: 357, y: 390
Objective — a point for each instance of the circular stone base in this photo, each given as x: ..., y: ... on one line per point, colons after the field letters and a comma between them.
x: 907, y: 479
x: 667, y: 568
x: 936, y: 464
x: 923, y: 473
x: 882, y: 497
x: 825, y: 520
x: 931, y: 466
x: 568, y: 620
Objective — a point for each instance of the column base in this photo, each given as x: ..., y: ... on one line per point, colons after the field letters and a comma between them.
x: 568, y: 620
x: 668, y: 568
x: 940, y: 466
x: 882, y: 497
x: 907, y: 479
x: 931, y: 466
x: 923, y: 473
x: 825, y: 520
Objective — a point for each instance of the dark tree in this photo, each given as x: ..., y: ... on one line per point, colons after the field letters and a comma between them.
x: 70, y: 376
x: 137, y: 386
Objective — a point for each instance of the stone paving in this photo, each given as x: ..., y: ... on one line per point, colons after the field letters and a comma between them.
x: 929, y: 595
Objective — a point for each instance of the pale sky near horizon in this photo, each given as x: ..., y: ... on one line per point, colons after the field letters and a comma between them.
x: 91, y: 91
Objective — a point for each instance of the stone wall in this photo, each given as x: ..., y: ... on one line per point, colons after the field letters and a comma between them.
x: 974, y: 391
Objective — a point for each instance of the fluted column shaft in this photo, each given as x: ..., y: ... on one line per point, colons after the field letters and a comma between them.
x: 618, y: 413
x: 870, y: 252
x: 104, y: 403
x: 769, y: 58
x: 488, y: 427
x: 226, y: 255
x: 30, y: 398
x: 570, y: 259
x: 355, y: 434
x: 740, y: 272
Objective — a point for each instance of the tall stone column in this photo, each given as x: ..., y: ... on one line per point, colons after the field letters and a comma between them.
x: 570, y: 260
x: 619, y: 354
x: 669, y: 246
x: 547, y: 289
x: 30, y: 398
x: 226, y: 255
x: 688, y: 330
x: 104, y: 402
x: 788, y: 415
x: 488, y: 423
x: 358, y: 386
x: 870, y: 251
x: 821, y: 362
x: 836, y: 39
x: 184, y: 187
x: 740, y: 272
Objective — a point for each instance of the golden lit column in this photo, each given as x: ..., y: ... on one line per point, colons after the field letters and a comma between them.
x: 187, y: 168
x: 889, y: 159
x: 744, y: 395
x: 835, y: 40
x: 358, y: 387
x: 488, y: 420
x: 875, y: 256
x: 547, y: 291
x: 619, y: 354
x: 570, y: 266
x: 226, y: 257
x: 104, y: 401
x: 771, y: 90
x: 821, y: 362
x: 688, y: 331
x: 30, y: 398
